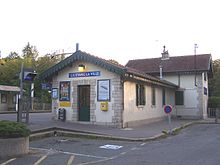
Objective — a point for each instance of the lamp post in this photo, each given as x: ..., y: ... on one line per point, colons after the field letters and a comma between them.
x: 20, y: 103
x: 26, y: 75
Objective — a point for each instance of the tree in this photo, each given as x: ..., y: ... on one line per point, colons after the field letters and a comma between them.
x: 215, y: 81
x: 13, y: 55
x: 9, y: 71
x: 113, y: 61
x: 30, y: 51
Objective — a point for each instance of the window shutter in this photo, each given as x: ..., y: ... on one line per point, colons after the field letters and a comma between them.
x: 137, y: 95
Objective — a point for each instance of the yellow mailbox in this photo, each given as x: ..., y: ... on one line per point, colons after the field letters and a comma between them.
x: 104, y: 106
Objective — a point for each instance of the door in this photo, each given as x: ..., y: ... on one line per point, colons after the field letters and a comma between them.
x: 84, y: 102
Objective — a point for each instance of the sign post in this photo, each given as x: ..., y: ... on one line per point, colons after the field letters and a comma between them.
x: 168, y: 110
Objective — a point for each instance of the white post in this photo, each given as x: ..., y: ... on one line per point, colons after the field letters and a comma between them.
x: 32, y: 96
x: 16, y: 102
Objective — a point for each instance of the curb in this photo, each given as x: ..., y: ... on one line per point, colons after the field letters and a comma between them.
x: 59, y: 131
x: 56, y: 131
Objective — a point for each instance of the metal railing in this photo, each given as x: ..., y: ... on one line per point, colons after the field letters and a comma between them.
x: 214, y: 113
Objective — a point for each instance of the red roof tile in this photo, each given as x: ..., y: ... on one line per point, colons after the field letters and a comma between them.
x: 173, y: 64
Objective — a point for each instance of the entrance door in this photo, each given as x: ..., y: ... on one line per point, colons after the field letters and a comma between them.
x: 84, y: 102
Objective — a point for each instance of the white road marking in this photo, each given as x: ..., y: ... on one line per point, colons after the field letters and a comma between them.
x: 123, y: 153
x: 40, y: 160
x: 8, y: 161
x: 71, y: 153
x: 70, y: 161
x: 143, y: 144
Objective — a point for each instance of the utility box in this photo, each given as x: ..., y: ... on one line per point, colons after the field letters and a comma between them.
x: 104, y: 106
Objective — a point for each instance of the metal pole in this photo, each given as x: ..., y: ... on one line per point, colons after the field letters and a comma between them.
x: 195, y: 62
x: 216, y: 115
x: 20, y: 107
x: 169, y: 121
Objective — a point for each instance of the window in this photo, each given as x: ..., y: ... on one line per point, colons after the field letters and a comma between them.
x: 163, y: 97
x: 205, y: 77
x: 153, y: 96
x: 205, y: 91
x: 140, y: 95
x: 14, y: 98
x: 179, y: 99
x: 3, y: 98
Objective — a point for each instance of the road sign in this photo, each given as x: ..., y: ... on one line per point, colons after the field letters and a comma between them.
x: 167, y: 109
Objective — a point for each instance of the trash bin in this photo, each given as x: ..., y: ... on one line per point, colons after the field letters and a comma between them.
x: 62, y: 114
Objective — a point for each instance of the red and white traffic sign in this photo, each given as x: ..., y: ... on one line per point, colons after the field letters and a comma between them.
x: 167, y: 109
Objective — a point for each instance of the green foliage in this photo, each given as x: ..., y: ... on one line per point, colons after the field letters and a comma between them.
x: 9, y: 129
x: 30, y: 51
x: 214, y: 83
x: 214, y: 102
x: 11, y: 65
x: 13, y: 55
x: 9, y: 71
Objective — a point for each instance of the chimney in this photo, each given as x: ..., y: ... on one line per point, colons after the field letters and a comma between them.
x: 165, y: 54
x: 77, y: 47
x: 161, y: 71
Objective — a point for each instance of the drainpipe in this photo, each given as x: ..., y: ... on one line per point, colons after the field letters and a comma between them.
x: 161, y: 71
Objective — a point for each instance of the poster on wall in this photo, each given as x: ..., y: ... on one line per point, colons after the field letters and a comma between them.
x: 54, y: 93
x: 103, y: 90
x: 65, y: 91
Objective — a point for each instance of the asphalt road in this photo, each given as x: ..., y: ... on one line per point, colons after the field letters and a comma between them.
x: 196, y: 145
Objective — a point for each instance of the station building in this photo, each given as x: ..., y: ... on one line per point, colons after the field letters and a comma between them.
x: 97, y: 91
x: 9, y: 98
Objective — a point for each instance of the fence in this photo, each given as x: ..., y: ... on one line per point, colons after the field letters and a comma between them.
x: 214, y: 113
x: 41, y: 106
x: 211, y: 112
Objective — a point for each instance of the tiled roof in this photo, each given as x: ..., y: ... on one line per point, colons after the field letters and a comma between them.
x: 112, y: 67
x: 173, y: 64
x: 9, y: 88
x: 82, y: 56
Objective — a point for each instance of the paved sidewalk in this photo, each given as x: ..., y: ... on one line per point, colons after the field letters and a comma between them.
x: 43, y: 121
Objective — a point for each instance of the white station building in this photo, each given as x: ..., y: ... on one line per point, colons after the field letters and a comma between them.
x: 97, y: 91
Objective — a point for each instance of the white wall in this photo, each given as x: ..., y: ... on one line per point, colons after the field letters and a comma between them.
x: 9, y: 105
x: 205, y: 97
x: 100, y: 116
x: 143, y: 113
x: 192, y: 94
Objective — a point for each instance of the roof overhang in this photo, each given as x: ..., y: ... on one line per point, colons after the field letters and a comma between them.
x: 5, y: 88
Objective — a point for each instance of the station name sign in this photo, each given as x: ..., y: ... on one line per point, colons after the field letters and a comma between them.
x: 84, y: 74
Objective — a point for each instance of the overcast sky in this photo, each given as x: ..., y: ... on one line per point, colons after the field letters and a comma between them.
x: 111, y: 29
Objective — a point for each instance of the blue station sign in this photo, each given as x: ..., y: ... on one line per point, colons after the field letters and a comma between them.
x: 84, y: 74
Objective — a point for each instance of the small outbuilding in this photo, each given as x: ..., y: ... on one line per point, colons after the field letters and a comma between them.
x: 9, y: 98
x: 97, y: 91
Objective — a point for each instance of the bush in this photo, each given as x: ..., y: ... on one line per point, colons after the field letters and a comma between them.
x: 9, y: 129
x: 214, y: 102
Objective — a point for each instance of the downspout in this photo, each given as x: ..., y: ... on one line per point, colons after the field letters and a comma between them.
x: 161, y: 71
x: 122, y: 111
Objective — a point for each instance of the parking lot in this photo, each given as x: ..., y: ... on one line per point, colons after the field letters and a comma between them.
x: 67, y: 151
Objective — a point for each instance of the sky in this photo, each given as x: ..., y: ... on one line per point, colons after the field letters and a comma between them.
x: 111, y: 29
